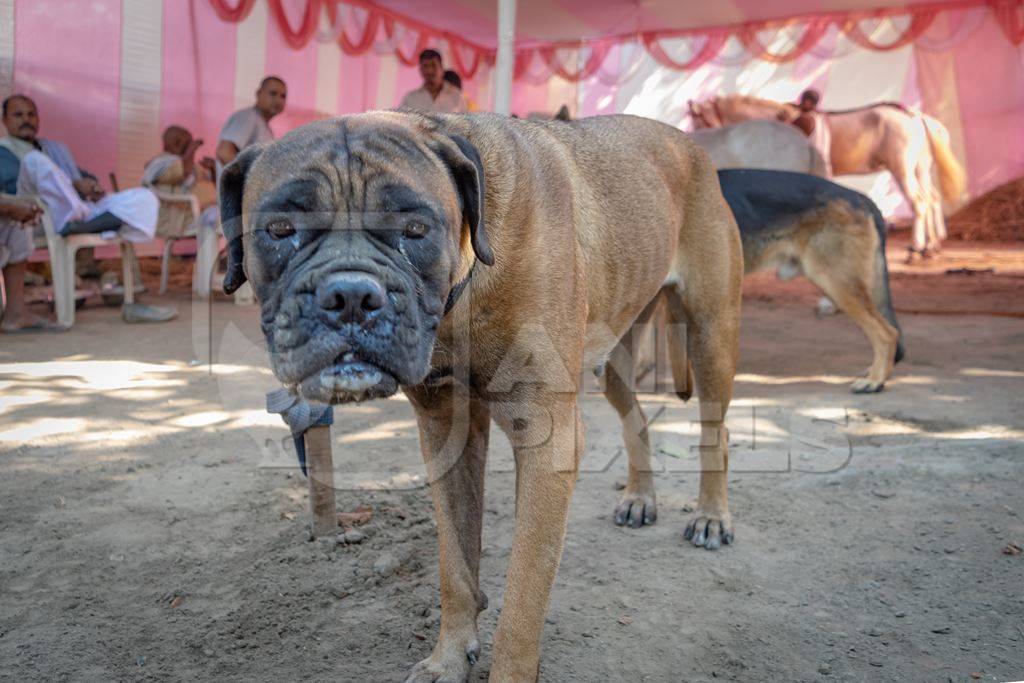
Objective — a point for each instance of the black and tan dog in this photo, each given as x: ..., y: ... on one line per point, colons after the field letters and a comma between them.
x: 801, y: 224
x: 479, y: 263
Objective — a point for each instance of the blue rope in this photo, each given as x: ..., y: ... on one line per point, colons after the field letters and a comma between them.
x: 299, y: 415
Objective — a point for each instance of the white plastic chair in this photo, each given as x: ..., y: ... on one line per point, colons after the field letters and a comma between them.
x: 207, y: 243
x: 62, y: 252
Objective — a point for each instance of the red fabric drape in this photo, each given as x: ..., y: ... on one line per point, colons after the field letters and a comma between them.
x: 456, y: 46
x: 814, y: 29
x: 310, y: 18
x: 919, y: 23
x: 422, y: 42
x: 1009, y: 15
x: 712, y: 46
x: 233, y: 14
x: 365, y: 41
x: 521, y: 63
x: 593, y: 63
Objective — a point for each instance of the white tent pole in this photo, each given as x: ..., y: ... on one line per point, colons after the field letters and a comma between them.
x: 505, y: 56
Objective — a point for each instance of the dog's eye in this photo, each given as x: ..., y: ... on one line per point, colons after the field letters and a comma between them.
x: 416, y: 230
x: 280, y: 229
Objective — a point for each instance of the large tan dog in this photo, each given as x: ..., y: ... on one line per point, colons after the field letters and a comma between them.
x: 481, y: 263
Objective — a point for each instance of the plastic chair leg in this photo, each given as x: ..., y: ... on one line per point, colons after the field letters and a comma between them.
x: 62, y: 265
x: 128, y: 269
x: 206, y: 261
x: 165, y: 266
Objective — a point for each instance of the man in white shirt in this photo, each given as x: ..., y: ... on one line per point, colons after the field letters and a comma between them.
x: 76, y: 203
x: 436, y: 94
x: 250, y: 126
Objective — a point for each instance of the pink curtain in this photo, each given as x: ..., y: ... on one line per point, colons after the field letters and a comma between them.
x: 298, y: 32
x: 197, y: 71
x: 76, y: 90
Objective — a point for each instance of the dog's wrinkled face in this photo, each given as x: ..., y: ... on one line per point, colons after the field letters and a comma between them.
x: 353, y: 233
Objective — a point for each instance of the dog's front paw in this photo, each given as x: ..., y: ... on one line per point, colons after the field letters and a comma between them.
x: 709, y: 531
x: 866, y: 385
x: 449, y: 663
x: 636, y: 508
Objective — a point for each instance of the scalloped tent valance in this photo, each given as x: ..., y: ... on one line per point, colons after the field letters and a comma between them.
x: 545, y: 35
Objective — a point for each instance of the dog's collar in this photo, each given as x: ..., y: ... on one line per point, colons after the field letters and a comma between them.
x: 458, y: 289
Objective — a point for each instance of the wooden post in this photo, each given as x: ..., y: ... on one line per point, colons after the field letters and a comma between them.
x: 320, y: 472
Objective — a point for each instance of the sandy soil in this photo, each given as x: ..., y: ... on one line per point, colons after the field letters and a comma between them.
x: 152, y: 521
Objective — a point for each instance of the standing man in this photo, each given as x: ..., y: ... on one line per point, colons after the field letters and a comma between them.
x: 436, y: 94
x: 250, y: 126
x: 814, y: 125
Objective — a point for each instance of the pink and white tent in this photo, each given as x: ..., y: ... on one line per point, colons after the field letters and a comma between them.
x: 108, y: 75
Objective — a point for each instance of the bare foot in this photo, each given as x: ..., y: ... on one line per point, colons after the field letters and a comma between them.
x: 29, y: 323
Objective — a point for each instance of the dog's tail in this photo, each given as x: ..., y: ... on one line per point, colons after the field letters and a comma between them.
x: 952, y: 178
x: 881, y: 295
x: 682, y: 367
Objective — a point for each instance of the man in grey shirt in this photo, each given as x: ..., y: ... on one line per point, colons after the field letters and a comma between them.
x: 249, y: 126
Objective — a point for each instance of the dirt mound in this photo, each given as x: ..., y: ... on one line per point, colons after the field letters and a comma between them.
x: 996, y: 216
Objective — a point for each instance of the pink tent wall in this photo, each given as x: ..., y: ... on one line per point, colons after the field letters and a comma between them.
x: 108, y: 95
x: 70, y: 63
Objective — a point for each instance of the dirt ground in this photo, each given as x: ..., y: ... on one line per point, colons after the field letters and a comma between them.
x: 152, y: 519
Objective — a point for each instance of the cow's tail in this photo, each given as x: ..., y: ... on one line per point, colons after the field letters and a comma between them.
x: 952, y: 178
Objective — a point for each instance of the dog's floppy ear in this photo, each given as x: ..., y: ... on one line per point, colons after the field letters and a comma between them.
x: 232, y: 188
x: 463, y: 159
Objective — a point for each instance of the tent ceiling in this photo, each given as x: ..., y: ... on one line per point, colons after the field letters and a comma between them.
x: 573, y: 20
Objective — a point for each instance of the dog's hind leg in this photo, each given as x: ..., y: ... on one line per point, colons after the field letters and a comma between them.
x: 844, y: 271
x: 713, y: 332
x: 453, y: 438
x: 637, y: 506
x: 710, y: 264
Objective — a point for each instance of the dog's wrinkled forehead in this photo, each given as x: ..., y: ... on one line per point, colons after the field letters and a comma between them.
x: 352, y: 167
x: 353, y: 172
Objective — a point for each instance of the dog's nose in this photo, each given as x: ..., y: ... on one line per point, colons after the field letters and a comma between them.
x: 353, y: 295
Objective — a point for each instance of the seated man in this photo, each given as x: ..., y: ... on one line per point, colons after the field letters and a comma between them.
x: 76, y: 203
x: 173, y: 172
x: 15, y: 248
